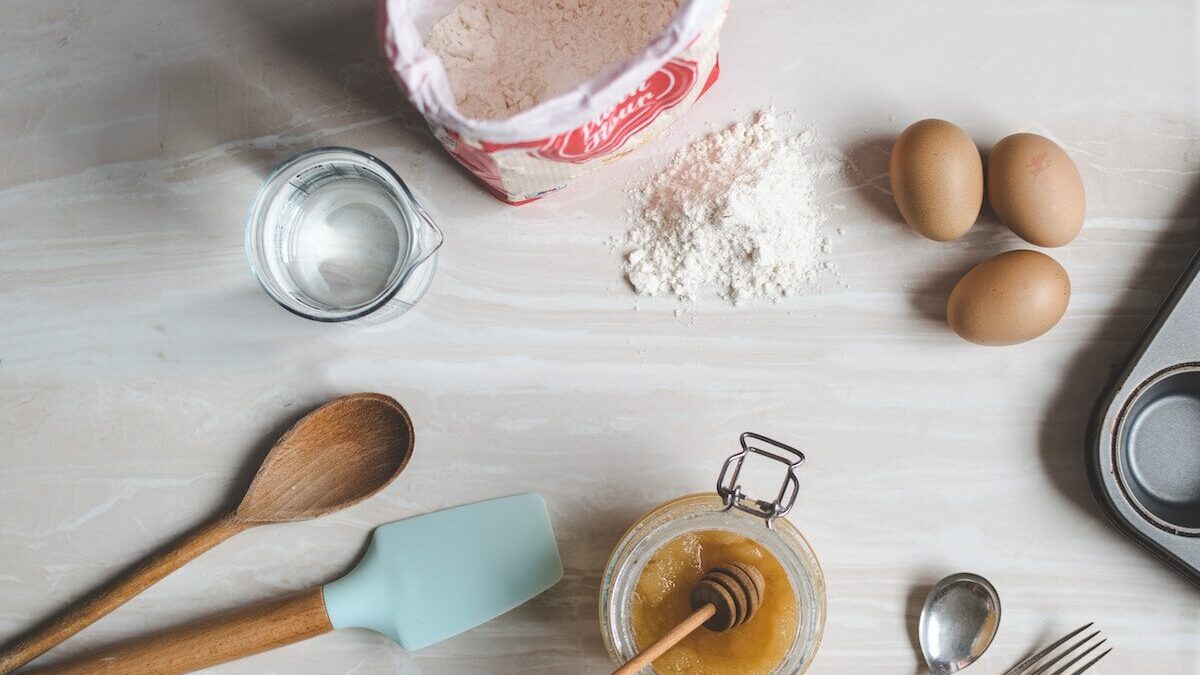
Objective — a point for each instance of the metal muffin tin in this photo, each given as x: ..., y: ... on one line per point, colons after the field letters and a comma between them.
x: 1144, y: 447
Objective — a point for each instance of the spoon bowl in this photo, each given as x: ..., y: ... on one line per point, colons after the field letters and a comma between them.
x: 960, y: 617
x: 334, y: 457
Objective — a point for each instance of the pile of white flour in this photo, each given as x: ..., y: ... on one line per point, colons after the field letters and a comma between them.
x: 735, y: 213
x: 504, y: 56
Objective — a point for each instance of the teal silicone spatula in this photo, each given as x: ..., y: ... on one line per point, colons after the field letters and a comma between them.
x: 421, y: 581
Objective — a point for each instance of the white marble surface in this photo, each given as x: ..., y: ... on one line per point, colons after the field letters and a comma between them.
x: 142, y: 370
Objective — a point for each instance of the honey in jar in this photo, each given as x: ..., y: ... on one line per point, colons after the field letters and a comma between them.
x: 661, y: 600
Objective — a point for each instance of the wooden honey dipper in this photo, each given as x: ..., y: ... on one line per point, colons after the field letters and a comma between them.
x: 725, y: 597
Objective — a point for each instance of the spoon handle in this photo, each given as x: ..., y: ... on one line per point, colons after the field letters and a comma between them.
x: 210, y: 641
x: 664, y: 643
x: 116, y: 593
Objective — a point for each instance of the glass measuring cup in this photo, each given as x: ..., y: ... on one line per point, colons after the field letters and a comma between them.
x: 335, y: 235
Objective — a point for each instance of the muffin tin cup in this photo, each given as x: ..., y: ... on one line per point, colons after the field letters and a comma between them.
x: 1144, y: 447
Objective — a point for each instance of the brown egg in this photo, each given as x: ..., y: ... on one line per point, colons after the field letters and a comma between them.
x: 1034, y: 187
x: 1011, y: 298
x: 937, y: 179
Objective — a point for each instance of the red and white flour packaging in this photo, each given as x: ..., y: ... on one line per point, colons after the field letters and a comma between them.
x: 542, y: 149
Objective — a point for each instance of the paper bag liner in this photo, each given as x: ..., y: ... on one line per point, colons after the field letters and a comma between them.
x: 540, y: 150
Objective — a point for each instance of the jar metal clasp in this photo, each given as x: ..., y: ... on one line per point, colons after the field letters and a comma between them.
x: 730, y: 489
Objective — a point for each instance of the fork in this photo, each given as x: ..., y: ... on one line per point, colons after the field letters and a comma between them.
x: 1035, y: 665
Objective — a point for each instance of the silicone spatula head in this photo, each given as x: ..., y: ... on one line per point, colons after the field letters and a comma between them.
x: 434, y: 576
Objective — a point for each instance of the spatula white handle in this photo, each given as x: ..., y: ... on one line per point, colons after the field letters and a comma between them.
x: 207, y: 642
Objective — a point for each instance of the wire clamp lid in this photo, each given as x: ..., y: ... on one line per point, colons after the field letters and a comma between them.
x: 730, y: 489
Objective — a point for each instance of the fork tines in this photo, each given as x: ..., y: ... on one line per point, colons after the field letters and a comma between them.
x: 1082, y: 652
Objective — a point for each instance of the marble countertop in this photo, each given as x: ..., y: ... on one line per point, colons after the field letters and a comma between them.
x: 143, y: 372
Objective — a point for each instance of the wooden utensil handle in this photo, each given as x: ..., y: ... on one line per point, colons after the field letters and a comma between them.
x: 105, y: 600
x: 207, y: 642
x: 664, y: 643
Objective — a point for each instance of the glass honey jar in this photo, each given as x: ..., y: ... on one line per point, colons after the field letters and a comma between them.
x: 650, y: 572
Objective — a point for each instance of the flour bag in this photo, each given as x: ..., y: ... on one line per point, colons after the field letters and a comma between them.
x: 549, y: 141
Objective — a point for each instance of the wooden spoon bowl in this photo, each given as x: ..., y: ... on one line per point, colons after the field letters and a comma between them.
x: 334, y: 457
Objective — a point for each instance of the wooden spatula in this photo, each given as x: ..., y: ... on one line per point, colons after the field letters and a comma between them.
x: 421, y: 581
x: 337, y: 455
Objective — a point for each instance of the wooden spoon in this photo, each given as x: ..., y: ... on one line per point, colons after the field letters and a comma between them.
x: 337, y: 455
x: 725, y: 597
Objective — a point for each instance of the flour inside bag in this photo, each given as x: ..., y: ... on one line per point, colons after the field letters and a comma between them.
x: 529, y: 94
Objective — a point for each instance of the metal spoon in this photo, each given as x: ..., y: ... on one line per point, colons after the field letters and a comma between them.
x: 959, y: 620
x: 337, y: 455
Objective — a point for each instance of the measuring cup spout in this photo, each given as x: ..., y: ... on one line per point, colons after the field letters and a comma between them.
x: 429, y: 237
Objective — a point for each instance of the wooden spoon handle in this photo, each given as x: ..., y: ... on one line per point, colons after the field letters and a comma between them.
x: 115, y: 594
x: 207, y: 642
x: 664, y: 643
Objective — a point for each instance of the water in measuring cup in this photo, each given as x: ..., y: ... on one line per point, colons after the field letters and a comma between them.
x: 347, y: 242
